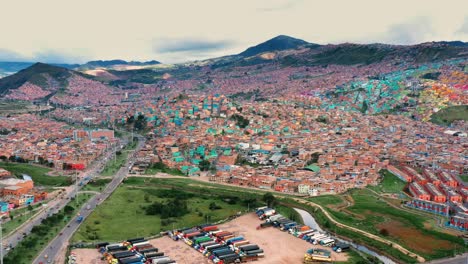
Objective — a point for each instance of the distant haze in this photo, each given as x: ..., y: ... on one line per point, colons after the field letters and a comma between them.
x: 58, y: 31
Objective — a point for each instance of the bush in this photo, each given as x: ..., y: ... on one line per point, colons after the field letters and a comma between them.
x: 384, y: 232
x: 214, y: 206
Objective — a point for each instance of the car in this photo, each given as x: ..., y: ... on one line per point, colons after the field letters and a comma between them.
x: 60, y: 233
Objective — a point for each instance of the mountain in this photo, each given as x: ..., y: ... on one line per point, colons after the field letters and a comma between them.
x: 11, y: 67
x: 278, y: 43
x: 111, y: 63
x: 456, y: 43
x: 40, y: 74
x: 7, y: 67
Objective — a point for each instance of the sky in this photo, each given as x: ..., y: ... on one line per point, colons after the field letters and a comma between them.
x: 175, y: 31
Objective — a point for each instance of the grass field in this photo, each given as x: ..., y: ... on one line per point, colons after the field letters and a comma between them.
x: 356, y: 257
x: 369, y: 212
x: 38, y: 174
x: 19, y: 217
x: 447, y: 115
x: 464, y: 177
x: 389, y: 184
x: 96, y: 185
x: 34, y: 243
x: 114, y: 164
x: 123, y: 215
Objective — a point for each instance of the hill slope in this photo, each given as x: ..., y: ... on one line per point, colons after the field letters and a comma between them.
x: 448, y: 115
x: 40, y: 74
x: 278, y: 43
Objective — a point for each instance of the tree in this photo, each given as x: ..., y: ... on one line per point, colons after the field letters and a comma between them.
x: 30, y: 208
x: 204, y: 165
x: 364, y: 107
x: 3, y: 158
x: 269, y: 199
x: 68, y: 209
x: 140, y: 122
x: 384, y: 232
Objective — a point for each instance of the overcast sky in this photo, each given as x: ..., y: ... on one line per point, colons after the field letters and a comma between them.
x: 175, y: 31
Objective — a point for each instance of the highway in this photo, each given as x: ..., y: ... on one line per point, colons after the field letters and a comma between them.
x: 54, y: 247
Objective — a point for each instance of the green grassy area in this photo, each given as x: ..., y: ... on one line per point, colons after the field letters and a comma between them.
x: 355, y: 257
x: 19, y: 217
x: 326, y: 200
x: 123, y: 214
x: 162, y: 168
x: 96, y: 185
x: 389, y: 184
x: 114, y: 164
x: 34, y: 243
x: 38, y: 174
x: 464, y: 177
x: 371, y: 213
x: 447, y: 115
x: 289, y: 213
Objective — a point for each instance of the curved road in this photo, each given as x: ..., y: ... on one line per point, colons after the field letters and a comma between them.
x: 303, y: 201
x: 54, y: 247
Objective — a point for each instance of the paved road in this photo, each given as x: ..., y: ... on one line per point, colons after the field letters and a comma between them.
x: 57, y: 204
x: 55, y: 246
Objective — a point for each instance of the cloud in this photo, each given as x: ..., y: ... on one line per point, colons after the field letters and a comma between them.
x: 415, y: 31
x: 279, y: 5
x: 49, y: 56
x: 464, y: 27
x: 190, y: 45
x: 9, y: 55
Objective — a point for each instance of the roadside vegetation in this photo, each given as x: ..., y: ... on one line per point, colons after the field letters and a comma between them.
x: 372, y: 213
x: 27, y: 250
x: 37, y: 173
x: 114, y: 164
x: 160, y: 167
x: 389, y: 184
x: 18, y: 217
x: 131, y: 200
x: 144, y: 208
x: 96, y: 185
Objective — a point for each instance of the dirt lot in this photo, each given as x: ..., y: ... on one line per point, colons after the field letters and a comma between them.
x: 279, y: 247
x: 87, y: 256
x: 414, y: 237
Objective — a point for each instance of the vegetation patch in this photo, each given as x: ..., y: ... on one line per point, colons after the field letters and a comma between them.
x: 37, y: 173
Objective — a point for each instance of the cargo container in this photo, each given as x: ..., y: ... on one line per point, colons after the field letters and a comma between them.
x: 159, y: 260
x: 241, y: 243
x: 135, y: 240
x: 169, y: 261
x: 275, y: 217
x: 253, y: 252
x: 210, y: 228
x: 154, y: 254
x: 248, y: 247
x: 264, y: 225
x: 341, y: 247
x: 124, y: 254
x: 287, y: 226
x: 116, y: 248
x: 148, y: 250
x: 317, y: 239
x: 327, y: 242
x: 234, y: 239
x: 130, y: 260
x: 302, y: 234
x: 142, y: 243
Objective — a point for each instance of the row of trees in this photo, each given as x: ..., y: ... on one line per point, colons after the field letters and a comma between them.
x: 41, y: 160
